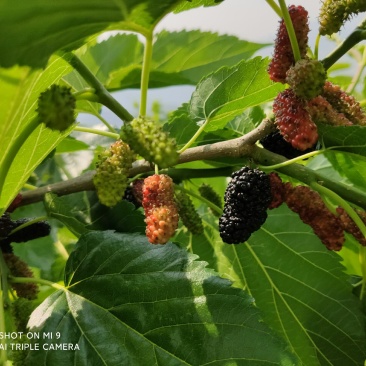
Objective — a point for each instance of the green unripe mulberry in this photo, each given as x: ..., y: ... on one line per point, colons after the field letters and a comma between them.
x: 211, y: 195
x: 148, y: 139
x: 307, y: 78
x: 334, y: 13
x: 110, y: 179
x: 56, y: 107
x: 188, y: 214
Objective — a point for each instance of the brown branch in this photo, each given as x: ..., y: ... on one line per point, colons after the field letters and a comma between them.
x: 238, y: 147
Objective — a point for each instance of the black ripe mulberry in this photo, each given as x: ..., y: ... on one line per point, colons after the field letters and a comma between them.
x: 34, y: 230
x: 56, y: 107
x: 294, y: 121
x: 283, y: 57
x: 275, y: 143
x: 247, y: 198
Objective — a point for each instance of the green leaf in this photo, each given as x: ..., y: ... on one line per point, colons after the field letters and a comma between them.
x: 44, y: 27
x: 130, y: 302
x: 70, y: 144
x: 226, y: 93
x: 173, y: 61
x: 347, y: 138
x: 24, y: 88
x: 58, y: 209
x: 191, y: 4
x: 302, y: 290
x: 247, y: 121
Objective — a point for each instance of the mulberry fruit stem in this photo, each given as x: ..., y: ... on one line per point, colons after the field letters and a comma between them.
x: 194, y: 137
x: 357, y: 76
x: 146, y: 66
x: 358, y: 35
x: 275, y: 7
x: 316, y: 47
x: 39, y: 281
x: 104, y: 96
x: 202, y: 199
x: 112, y: 135
x: 290, y: 30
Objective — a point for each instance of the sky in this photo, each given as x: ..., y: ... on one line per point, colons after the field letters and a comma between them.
x: 251, y: 20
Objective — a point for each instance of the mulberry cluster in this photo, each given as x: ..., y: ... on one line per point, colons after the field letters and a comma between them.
x: 18, y: 268
x: 294, y: 121
x: 344, y: 103
x: 275, y: 142
x: 211, y: 195
x: 33, y: 231
x: 110, y: 179
x: 161, y: 213
x: 188, y: 214
x: 306, y: 78
x: 148, y: 139
x: 277, y: 191
x: 312, y: 211
x: 283, y: 57
x: 334, y: 13
x: 56, y: 107
x: 247, y: 198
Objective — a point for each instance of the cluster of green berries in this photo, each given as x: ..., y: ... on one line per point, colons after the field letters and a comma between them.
x: 56, y: 107
x: 150, y: 141
x: 110, y: 179
x: 188, y: 214
x: 334, y: 13
x: 161, y: 212
x: 212, y: 196
x: 247, y: 198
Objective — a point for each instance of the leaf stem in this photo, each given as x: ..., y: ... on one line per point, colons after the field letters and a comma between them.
x: 316, y: 47
x: 355, y: 37
x: 275, y: 7
x: 104, y: 97
x: 36, y: 280
x: 112, y: 135
x: 357, y: 76
x: 146, y: 66
x: 194, y: 137
x: 290, y: 30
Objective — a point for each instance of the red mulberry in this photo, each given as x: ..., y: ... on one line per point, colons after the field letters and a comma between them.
x: 294, y: 121
x: 322, y: 111
x: 161, y: 213
x: 147, y: 138
x: 344, y: 103
x: 110, y: 179
x: 247, y: 198
x: 283, y: 57
x: 350, y: 226
x: 312, y: 211
x: 277, y: 191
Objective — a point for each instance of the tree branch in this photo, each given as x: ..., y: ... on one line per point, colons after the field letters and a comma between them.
x: 244, y: 146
